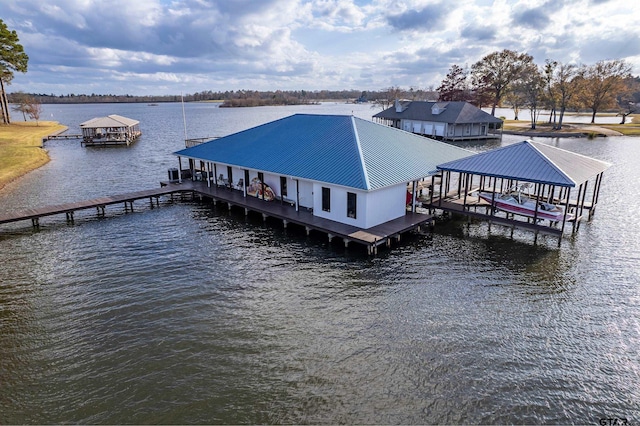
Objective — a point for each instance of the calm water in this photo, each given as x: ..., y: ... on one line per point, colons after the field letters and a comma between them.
x: 188, y: 314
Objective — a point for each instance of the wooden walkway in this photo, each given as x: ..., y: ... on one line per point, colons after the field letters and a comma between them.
x: 60, y: 137
x: 98, y: 203
x: 372, y: 238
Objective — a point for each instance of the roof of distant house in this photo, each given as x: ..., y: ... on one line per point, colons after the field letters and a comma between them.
x: 336, y: 149
x: 531, y: 162
x: 450, y: 112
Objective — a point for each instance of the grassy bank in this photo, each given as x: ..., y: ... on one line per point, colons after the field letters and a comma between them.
x: 628, y: 129
x: 20, y: 148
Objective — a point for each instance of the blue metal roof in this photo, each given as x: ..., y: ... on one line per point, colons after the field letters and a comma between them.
x: 531, y: 162
x: 338, y: 149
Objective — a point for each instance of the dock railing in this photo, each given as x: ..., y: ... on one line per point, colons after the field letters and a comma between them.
x: 188, y: 143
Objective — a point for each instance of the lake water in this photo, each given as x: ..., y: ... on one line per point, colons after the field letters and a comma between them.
x: 191, y: 314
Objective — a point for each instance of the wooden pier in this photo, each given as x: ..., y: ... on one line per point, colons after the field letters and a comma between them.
x: 371, y: 238
x: 98, y: 203
x: 60, y: 137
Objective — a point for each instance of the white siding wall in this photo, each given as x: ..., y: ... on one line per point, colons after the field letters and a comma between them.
x: 273, y: 181
x: 337, y: 194
x: 305, y: 190
x: 373, y: 208
x: 384, y: 205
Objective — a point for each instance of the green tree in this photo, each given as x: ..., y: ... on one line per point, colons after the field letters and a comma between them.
x: 12, y: 59
x: 599, y: 84
x: 498, y: 71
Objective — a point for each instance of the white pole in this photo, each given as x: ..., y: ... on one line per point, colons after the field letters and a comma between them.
x: 184, y: 120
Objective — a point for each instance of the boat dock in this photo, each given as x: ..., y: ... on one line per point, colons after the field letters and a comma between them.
x: 98, y: 203
x: 372, y: 238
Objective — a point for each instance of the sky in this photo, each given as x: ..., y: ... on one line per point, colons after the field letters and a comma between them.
x: 169, y: 47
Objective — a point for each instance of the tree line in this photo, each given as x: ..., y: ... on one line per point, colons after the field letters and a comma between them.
x: 232, y: 97
x: 511, y: 78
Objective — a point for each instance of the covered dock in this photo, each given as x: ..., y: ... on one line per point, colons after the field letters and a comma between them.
x: 546, y: 175
x: 110, y: 130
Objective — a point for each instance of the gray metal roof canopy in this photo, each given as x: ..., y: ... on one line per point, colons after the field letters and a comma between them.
x: 530, y: 162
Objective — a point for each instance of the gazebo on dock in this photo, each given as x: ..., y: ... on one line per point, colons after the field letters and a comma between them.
x: 110, y: 130
x: 550, y: 175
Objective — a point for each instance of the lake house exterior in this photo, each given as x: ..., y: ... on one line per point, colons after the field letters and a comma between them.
x: 339, y: 167
x: 450, y: 121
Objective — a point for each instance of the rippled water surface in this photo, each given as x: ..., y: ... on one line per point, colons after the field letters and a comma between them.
x: 189, y: 313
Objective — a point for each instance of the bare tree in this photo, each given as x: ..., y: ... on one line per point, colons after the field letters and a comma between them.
x: 454, y: 86
x: 600, y: 83
x: 388, y: 97
x: 498, y: 71
x: 516, y: 99
x: 627, y: 100
x: 565, y: 86
x: 33, y: 109
x: 531, y: 86
x: 20, y: 103
x: 550, y: 90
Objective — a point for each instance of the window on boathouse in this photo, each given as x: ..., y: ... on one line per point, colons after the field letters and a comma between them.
x: 351, y: 205
x: 229, y: 174
x: 283, y: 186
x: 326, y: 199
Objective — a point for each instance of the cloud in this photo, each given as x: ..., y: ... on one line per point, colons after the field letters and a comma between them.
x: 477, y: 32
x: 172, y: 46
x: 341, y: 15
x: 419, y: 19
x: 535, y: 18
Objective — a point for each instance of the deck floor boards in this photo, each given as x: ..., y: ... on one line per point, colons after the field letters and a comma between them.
x: 371, y: 237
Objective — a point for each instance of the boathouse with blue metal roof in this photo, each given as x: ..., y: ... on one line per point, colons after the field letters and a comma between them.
x: 549, y: 174
x: 339, y: 167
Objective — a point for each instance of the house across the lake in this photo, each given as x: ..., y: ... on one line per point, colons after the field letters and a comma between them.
x: 450, y: 121
x: 110, y: 130
x: 337, y: 168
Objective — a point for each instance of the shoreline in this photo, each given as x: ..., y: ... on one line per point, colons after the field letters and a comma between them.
x: 569, y: 130
x: 22, y: 150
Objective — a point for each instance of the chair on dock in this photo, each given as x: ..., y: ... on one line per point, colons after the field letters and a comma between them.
x: 240, y: 184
